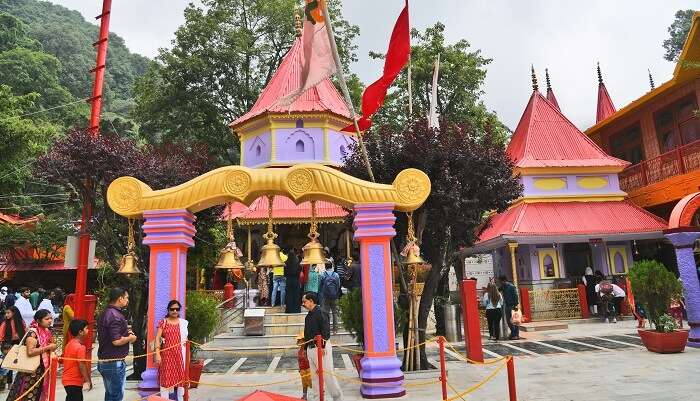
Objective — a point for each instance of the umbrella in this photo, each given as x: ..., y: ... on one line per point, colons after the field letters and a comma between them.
x: 259, y: 395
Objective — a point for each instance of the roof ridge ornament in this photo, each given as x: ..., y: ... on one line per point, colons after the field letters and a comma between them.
x: 546, y: 77
x: 534, y: 78
x: 600, y: 75
x: 297, y: 22
x: 651, y: 80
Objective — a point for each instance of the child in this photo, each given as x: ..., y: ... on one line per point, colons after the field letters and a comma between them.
x: 304, y: 369
x: 76, y: 374
x: 3, y: 372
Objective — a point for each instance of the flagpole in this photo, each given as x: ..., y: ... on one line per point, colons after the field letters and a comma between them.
x: 344, y: 88
x: 410, y: 79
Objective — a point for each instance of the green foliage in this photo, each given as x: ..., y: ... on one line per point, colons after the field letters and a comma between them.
x: 203, y: 315
x: 654, y: 287
x: 222, y: 58
x: 667, y: 324
x: 678, y: 32
x: 350, y: 307
x: 47, y: 239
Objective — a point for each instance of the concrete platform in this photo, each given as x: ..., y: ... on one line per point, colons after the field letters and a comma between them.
x: 544, y: 326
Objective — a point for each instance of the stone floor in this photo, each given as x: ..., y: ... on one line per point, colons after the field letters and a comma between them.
x: 589, y: 361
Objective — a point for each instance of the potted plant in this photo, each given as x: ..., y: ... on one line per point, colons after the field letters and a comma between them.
x: 655, y: 287
x: 350, y: 306
x: 203, y: 316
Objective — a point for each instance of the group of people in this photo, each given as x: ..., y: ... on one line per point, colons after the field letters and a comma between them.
x: 604, y: 297
x: 29, y: 301
x: 501, y: 300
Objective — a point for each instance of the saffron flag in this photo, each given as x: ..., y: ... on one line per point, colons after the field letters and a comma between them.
x: 396, y: 59
x: 317, y: 61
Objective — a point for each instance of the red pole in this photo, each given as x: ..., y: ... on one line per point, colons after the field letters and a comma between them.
x: 583, y: 300
x: 511, y: 379
x: 472, y: 332
x: 228, y: 294
x: 319, y: 354
x: 100, y: 66
x: 443, y: 370
x: 188, y: 353
x: 525, y: 304
x: 54, y: 376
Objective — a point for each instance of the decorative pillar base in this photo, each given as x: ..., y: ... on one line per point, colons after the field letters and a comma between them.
x: 149, y: 382
x: 683, y: 239
x: 384, y: 370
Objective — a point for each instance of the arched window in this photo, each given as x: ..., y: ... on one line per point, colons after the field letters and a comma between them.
x: 300, y: 146
x: 548, y: 263
x: 342, y: 149
x: 258, y: 150
x: 300, y: 123
x: 619, y: 263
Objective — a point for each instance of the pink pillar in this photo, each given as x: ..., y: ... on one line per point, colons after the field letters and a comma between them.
x: 168, y: 233
x: 374, y: 228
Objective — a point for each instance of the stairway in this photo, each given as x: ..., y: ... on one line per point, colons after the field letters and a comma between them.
x: 281, y: 330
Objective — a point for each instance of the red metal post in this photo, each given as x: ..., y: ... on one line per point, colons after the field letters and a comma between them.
x: 53, y: 376
x: 100, y: 66
x: 511, y: 379
x: 443, y: 370
x: 228, y: 294
x: 525, y: 304
x: 188, y: 353
x: 319, y: 355
x: 583, y: 301
x: 472, y: 332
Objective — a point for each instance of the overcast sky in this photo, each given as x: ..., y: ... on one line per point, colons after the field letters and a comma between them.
x: 565, y: 36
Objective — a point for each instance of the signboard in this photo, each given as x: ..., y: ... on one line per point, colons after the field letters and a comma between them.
x: 479, y: 267
x: 71, y: 254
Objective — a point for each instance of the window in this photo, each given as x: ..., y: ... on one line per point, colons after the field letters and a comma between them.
x: 300, y: 123
x: 342, y: 149
x: 258, y: 150
x: 677, y: 124
x: 617, y: 257
x: 549, y: 263
x: 627, y: 144
x: 300, y: 146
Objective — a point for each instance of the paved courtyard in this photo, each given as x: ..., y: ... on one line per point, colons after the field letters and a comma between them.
x: 589, y: 361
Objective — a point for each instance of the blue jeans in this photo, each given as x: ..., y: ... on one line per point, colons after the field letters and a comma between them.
x: 114, y: 378
x: 278, y: 282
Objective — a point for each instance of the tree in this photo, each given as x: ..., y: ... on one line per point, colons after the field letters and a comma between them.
x: 462, y: 73
x: 222, y: 58
x: 470, y: 175
x: 678, y: 32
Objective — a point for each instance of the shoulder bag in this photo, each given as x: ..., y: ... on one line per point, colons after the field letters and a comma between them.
x: 18, y: 360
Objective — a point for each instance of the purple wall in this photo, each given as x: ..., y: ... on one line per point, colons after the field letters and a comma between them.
x: 338, y: 142
x: 257, y: 150
x: 572, y: 188
x: 299, y: 144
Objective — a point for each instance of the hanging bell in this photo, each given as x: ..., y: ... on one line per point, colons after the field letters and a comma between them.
x: 313, y: 253
x: 270, y: 254
x: 413, y: 257
x: 128, y: 264
x: 228, y: 260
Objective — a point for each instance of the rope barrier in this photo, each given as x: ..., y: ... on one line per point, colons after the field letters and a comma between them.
x: 455, y: 390
x: 158, y: 392
x: 369, y: 384
x: 130, y: 357
x: 481, y: 383
x: 247, y: 353
x: 359, y: 351
x: 465, y: 359
x: 30, y: 389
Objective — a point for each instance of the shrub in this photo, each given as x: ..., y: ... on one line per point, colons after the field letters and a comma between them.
x: 202, y: 314
x: 654, y: 287
x: 350, y: 306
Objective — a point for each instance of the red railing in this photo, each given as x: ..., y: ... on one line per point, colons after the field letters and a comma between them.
x: 676, y: 162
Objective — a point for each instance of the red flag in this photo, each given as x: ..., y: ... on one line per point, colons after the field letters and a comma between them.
x: 396, y: 59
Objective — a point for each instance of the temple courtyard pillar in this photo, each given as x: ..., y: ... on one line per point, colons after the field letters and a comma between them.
x: 683, y: 240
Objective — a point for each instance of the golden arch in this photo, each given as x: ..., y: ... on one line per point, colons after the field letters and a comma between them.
x: 129, y: 197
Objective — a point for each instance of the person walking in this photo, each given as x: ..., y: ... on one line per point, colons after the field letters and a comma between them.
x: 316, y: 324
x: 279, y: 282
x: 25, y: 306
x: 330, y: 292
x: 76, y: 374
x: 169, y: 356
x: 292, y: 268
x: 114, y: 336
x: 314, y: 278
x: 39, y: 341
x: 34, y: 298
x: 493, y: 302
x: 510, y: 301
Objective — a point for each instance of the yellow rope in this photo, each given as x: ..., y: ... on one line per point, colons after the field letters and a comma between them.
x: 351, y: 380
x: 481, y: 383
x: 486, y: 362
x: 119, y: 359
x: 398, y: 350
x: 456, y: 392
x: 247, y: 353
x: 39, y: 381
x: 158, y: 392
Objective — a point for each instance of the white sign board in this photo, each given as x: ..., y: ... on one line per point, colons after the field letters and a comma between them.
x: 71, y: 253
x: 479, y: 267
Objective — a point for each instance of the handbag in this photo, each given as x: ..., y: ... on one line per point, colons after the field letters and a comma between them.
x: 516, y: 317
x: 18, y: 360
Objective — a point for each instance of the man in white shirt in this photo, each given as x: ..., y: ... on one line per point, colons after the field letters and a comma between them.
x: 25, y: 307
x: 48, y: 305
x: 619, y: 295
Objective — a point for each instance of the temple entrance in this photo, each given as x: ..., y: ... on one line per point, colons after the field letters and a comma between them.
x: 576, y: 258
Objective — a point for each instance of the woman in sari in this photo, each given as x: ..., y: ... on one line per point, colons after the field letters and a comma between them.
x: 39, y: 341
x: 12, y: 330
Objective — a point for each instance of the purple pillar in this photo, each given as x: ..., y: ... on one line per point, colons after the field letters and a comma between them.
x: 684, y: 241
x: 374, y: 229
x: 168, y: 233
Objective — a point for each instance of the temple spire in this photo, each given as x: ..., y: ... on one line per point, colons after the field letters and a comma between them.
x: 651, y: 80
x: 550, y: 92
x: 605, y: 105
x: 297, y: 22
x: 534, y: 78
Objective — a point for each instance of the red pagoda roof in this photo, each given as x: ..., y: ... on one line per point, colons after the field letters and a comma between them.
x: 552, y: 99
x: 572, y: 218
x: 546, y: 138
x: 322, y: 97
x: 285, y: 211
x: 606, y: 108
x: 16, y: 220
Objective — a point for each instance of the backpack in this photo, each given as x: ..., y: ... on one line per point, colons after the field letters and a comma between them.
x: 606, y: 287
x: 331, y: 286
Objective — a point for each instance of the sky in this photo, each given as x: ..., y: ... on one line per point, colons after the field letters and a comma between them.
x: 566, y: 37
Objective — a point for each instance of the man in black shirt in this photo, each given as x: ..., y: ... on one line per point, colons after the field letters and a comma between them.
x: 316, y: 323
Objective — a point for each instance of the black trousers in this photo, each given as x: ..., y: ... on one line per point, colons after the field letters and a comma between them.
x: 493, y: 316
x: 74, y: 393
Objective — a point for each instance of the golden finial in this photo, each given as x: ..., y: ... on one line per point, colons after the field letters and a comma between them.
x: 534, y: 78
x: 297, y: 22
x: 651, y: 80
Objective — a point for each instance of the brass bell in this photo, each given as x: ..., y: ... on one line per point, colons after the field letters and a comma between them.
x: 313, y: 253
x: 413, y: 257
x: 229, y: 260
x: 128, y: 264
x: 270, y: 254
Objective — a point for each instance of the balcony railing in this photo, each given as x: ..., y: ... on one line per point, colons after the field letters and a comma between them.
x: 676, y: 162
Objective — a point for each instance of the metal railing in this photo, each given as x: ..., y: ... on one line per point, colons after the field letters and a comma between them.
x: 676, y: 162
x: 554, y: 304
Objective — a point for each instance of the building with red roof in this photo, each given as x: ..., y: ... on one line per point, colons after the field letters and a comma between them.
x: 572, y: 213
